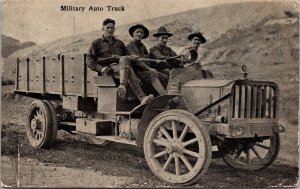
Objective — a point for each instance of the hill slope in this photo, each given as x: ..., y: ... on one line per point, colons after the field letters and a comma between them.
x: 212, y: 21
x: 10, y: 45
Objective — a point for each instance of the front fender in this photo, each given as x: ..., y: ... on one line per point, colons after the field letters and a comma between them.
x: 155, y: 107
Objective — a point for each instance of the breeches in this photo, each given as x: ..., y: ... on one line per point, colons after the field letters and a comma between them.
x: 147, y: 77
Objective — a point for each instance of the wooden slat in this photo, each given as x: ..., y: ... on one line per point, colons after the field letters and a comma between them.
x: 275, y: 103
x: 44, y: 74
x: 28, y: 78
x: 264, y: 101
x: 17, y: 72
x: 246, y: 102
x: 258, y: 102
x: 253, y: 102
x: 62, y: 75
x: 84, y: 91
x: 233, y: 102
x: 270, y: 102
x: 240, y: 101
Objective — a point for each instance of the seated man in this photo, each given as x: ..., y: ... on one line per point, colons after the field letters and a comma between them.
x: 162, y: 52
x: 148, y: 75
x: 196, y: 39
x: 108, y: 53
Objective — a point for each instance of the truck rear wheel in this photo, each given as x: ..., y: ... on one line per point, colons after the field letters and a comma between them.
x: 39, y: 128
x: 253, y: 155
x: 54, y: 124
x: 177, y: 147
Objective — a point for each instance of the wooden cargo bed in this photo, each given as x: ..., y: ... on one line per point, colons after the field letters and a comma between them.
x: 55, y: 75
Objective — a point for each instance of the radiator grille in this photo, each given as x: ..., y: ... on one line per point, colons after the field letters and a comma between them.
x: 254, y: 101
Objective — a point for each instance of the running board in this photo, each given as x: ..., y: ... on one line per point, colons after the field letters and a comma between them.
x: 110, y: 138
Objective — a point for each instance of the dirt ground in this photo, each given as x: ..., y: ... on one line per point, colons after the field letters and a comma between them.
x: 73, y: 162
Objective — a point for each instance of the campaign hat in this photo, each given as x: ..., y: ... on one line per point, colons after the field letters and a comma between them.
x: 133, y: 28
x: 162, y: 31
x: 197, y: 34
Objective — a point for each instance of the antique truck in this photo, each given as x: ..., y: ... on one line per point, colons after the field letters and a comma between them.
x: 200, y: 118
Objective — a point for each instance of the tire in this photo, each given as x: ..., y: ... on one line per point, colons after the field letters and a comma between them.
x: 54, y: 123
x: 39, y: 125
x: 177, y: 147
x: 263, y: 154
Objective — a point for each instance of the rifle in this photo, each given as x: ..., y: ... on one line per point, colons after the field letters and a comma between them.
x: 105, y: 61
x: 188, y: 56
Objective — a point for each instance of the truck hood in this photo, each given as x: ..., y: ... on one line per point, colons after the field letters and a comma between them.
x: 209, y: 83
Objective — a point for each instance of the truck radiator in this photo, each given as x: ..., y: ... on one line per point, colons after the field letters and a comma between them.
x: 254, y: 101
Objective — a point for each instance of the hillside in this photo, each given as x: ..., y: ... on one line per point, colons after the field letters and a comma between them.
x: 10, y: 45
x: 212, y: 21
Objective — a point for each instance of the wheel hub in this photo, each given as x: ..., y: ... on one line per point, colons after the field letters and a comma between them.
x: 170, y: 149
x: 175, y: 147
x: 35, y: 124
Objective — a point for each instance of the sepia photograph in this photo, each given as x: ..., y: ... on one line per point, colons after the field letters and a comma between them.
x: 149, y: 93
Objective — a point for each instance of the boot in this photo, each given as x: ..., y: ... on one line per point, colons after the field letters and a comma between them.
x: 158, y: 86
x: 124, y: 73
x: 121, y: 90
x: 133, y: 83
x: 123, y: 82
x: 147, y: 99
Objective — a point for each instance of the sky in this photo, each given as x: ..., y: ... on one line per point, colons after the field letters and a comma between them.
x: 42, y: 21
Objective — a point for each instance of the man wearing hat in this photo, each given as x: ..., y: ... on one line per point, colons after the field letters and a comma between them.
x: 110, y: 54
x: 196, y: 39
x: 161, y: 52
x: 136, y: 48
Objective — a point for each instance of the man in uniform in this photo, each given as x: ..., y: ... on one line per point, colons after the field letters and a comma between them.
x: 196, y: 39
x: 110, y: 54
x: 148, y: 75
x: 162, y: 52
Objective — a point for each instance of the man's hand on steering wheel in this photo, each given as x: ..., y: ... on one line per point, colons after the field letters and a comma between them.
x: 153, y: 71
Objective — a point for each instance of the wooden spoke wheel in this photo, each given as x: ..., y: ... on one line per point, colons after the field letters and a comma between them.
x: 253, y: 155
x: 177, y: 147
x: 54, y: 124
x: 39, y: 128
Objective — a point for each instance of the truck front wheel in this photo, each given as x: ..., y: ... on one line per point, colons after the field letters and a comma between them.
x: 177, y: 147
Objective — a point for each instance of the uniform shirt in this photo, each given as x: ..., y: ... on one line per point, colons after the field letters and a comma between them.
x: 137, y: 48
x: 184, y: 50
x: 162, y: 52
x: 102, y: 50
